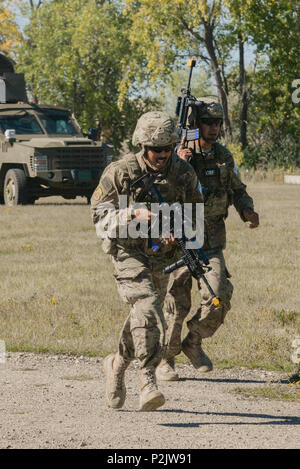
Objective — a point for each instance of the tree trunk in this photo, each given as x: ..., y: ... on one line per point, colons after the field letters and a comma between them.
x: 209, y: 43
x: 244, y: 95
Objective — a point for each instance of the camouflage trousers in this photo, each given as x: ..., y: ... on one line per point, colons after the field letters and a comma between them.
x: 142, y: 284
x: 208, y: 317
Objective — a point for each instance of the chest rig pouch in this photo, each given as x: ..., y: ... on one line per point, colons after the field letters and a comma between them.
x: 215, y: 177
x: 166, y: 184
x: 169, y: 190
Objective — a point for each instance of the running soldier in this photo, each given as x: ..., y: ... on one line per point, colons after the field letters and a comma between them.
x: 221, y: 186
x: 138, y: 267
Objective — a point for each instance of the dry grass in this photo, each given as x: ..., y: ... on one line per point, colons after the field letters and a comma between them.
x: 57, y: 293
x: 261, y: 175
x: 264, y: 264
x: 267, y: 176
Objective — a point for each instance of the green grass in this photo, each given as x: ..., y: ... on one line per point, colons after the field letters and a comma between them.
x: 276, y: 392
x: 57, y: 292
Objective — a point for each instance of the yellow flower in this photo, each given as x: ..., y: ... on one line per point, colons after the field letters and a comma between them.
x: 53, y: 301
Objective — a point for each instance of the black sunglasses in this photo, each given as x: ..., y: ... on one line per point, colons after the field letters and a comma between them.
x: 211, y: 121
x: 161, y: 149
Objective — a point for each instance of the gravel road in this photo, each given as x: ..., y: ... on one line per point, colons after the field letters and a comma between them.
x: 58, y: 402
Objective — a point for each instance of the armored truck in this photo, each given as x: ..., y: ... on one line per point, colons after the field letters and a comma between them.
x: 43, y: 151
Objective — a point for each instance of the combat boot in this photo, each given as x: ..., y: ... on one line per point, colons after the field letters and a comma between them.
x: 150, y: 398
x: 191, y: 347
x: 115, y: 390
x: 166, y: 370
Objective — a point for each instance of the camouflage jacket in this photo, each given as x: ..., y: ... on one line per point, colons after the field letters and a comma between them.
x: 177, y: 182
x: 222, y: 187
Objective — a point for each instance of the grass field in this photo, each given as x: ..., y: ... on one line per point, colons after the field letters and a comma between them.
x: 57, y: 293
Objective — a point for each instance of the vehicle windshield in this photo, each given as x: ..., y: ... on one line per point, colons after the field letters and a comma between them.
x: 57, y: 122
x: 22, y: 124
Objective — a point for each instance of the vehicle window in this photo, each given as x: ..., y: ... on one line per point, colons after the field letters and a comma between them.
x: 58, y: 123
x: 22, y: 124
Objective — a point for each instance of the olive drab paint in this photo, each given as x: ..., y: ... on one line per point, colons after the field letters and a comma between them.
x: 43, y: 151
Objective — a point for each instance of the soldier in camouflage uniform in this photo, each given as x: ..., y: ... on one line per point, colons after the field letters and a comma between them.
x: 138, y: 268
x: 221, y: 186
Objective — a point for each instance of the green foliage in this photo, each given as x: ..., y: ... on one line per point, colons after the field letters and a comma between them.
x: 237, y: 153
x: 274, y: 391
x: 10, y: 36
x: 167, y: 30
x: 277, y: 151
x: 201, y: 86
x: 162, y: 33
x: 286, y: 317
x: 73, y: 56
x: 106, y: 60
x: 275, y: 30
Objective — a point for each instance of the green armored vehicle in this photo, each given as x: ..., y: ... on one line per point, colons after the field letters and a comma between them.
x: 43, y: 151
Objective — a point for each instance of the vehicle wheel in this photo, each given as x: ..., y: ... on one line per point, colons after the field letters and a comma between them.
x: 30, y: 201
x: 15, y: 187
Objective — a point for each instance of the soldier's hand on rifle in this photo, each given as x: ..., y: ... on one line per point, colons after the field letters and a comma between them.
x: 170, y: 240
x: 252, y: 217
x: 143, y: 215
x: 183, y: 152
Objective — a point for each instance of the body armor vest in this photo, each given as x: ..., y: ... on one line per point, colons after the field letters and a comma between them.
x: 171, y: 192
x: 165, y: 182
x: 215, y: 178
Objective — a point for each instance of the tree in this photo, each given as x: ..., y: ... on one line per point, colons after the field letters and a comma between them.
x: 201, y: 86
x: 273, y: 26
x: 72, y: 56
x: 162, y: 32
x: 101, y: 58
x: 10, y: 36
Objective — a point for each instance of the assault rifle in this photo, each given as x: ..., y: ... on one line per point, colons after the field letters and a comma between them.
x: 185, y: 102
x: 194, y: 259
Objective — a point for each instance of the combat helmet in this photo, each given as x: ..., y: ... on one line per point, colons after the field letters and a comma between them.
x: 211, y: 108
x: 155, y: 128
x: 205, y: 107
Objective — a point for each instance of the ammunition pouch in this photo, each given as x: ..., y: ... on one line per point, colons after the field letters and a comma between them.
x: 216, y: 203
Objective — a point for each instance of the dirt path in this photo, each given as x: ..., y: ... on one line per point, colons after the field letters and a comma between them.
x: 58, y: 402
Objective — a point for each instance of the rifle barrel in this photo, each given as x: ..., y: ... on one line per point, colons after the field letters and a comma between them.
x: 192, y: 64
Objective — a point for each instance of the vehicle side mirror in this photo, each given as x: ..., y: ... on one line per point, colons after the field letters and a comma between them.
x: 10, y: 135
x: 93, y: 133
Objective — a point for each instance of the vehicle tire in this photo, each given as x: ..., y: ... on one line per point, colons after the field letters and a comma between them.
x: 15, y: 187
x: 31, y: 200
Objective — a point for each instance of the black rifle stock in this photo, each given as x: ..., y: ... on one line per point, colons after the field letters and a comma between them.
x: 194, y: 259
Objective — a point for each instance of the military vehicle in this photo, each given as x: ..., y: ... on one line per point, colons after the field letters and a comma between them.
x: 43, y: 151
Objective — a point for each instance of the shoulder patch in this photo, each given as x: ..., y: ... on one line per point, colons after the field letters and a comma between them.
x: 97, y: 194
